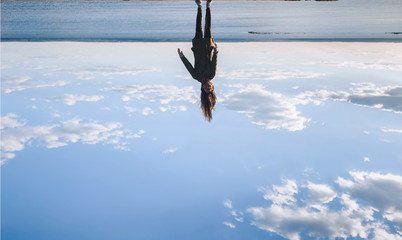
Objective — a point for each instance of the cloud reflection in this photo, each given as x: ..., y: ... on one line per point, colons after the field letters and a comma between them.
x: 19, y: 83
x: 391, y: 130
x: 15, y: 135
x: 358, y: 209
x: 265, y: 108
x: 105, y: 71
x: 229, y: 224
x: 378, y: 65
x: 170, y: 150
x: 162, y: 93
x: 388, y: 98
x: 264, y: 74
x: 71, y: 99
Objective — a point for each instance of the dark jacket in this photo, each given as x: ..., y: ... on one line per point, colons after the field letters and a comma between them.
x: 205, y: 59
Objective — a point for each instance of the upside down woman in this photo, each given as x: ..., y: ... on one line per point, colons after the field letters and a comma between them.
x: 205, y: 57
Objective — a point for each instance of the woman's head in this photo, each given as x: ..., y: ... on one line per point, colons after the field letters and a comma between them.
x: 208, y: 99
x: 208, y: 87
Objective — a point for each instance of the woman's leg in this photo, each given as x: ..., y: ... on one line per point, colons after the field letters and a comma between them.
x: 207, y: 30
x: 198, y: 25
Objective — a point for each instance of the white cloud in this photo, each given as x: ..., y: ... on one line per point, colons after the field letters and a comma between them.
x: 162, y: 93
x: 185, y: 76
x: 125, y: 98
x: 170, y: 150
x: 15, y: 135
x: 309, y: 172
x: 387, y: 98
x: 391, y: 130
x: 377, y: 65
x: 146, y: 111
x: 71, y: 99
x: 135, y: 135
x: 229, y: 224
x: 289, y: 222
x: 12, y: 83
x: 4, y: 66
x: 11, y: 121
x: 227, y: 204
x: 130, y: 109
x: 165, y: 108
x: 381, y: 232
x: 105, y: 71
x: 385, y: 140
x: 117, y: 70
x: 264, y: 74
x: 82, y: 77
x: 308, y: 209
x: 268, y: 109
x: 319, y: 194
x: 281, y: 194
x: 384, y: 192
x: 238, y: 215
x: 173, y: 109
x: 366, y: 159
x: 6, y: 156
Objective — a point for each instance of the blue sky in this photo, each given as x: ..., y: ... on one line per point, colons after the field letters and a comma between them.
x: 107, y: 140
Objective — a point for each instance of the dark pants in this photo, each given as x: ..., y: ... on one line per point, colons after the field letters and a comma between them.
x: 198, y: 26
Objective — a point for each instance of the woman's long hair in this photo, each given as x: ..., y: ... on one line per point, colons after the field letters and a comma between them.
x: 208, y: 101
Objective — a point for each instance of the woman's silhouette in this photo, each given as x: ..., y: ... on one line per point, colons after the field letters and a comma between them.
x: 205, y: 56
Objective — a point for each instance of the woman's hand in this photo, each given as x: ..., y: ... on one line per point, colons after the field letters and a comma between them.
x: 180, y: 52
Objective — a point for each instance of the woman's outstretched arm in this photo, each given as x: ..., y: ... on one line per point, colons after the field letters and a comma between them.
x: 186, y: 63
